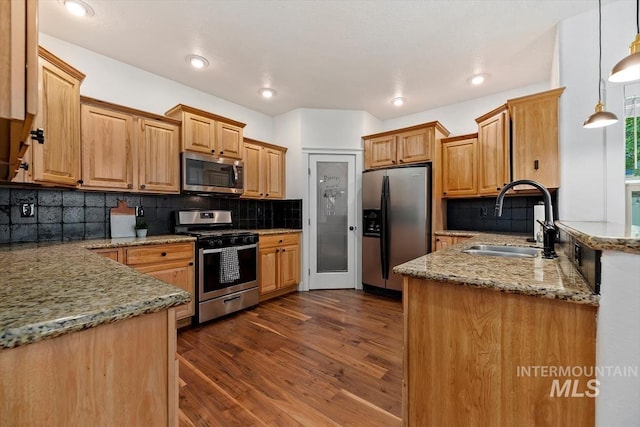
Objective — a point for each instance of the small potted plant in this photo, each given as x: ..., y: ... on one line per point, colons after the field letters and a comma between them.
x: 141, y: 228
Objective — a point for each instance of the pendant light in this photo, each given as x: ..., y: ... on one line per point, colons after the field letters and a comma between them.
x: 600, y: 118
x: 628, y: 69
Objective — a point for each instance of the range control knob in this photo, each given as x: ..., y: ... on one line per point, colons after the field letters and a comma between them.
x: 233, y: 240
x: 248, y: 239
x: 218, y: 242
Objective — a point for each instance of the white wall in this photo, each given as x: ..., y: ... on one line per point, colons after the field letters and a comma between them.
x: 460, y: 118
x: 618, y: 339
x: 120, y: 83
x: 592, y: 160
x: 287, y: 131
x: 342, y: 129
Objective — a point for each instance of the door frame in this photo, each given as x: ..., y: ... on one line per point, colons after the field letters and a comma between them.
x: 306, y: 213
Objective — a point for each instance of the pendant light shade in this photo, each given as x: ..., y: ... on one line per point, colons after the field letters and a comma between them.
x: 600, y: 118
x: 628, y: 69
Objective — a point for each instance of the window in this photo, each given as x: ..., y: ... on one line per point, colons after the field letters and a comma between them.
x: 632, y: 157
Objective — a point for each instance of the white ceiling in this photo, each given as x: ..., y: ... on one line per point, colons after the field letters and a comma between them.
x: 347, y: 54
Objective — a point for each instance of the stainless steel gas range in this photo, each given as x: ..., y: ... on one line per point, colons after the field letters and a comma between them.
x: 226, y: 263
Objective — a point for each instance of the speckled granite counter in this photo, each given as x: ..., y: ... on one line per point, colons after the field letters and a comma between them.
x: 267, y: 232
x: 555, y: 279
x: 602, y: 235
x: 47, y: 290
x: 456, y: 233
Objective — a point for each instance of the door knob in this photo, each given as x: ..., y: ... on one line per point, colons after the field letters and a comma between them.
x: 351, y: 228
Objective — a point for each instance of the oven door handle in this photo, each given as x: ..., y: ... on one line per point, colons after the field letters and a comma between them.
x: 239, y: 248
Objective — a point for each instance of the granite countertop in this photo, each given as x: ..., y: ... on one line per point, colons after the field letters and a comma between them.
x: 456, y: 233
x: 267, y: 232
x: 555, y: 279
x: 47, y: 290
x: 603, y: 235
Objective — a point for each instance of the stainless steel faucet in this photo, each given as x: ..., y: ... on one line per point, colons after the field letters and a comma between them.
x: 549, y: 239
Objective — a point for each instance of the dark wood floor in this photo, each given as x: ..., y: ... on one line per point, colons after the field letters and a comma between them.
x: 320, y: 358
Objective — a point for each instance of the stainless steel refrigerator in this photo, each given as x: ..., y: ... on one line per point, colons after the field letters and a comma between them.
x: 396, y: 209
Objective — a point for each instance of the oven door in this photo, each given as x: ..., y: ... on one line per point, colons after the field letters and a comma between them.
x: 212, y: 284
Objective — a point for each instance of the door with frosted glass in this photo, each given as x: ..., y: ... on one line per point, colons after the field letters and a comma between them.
x: 332, y: 208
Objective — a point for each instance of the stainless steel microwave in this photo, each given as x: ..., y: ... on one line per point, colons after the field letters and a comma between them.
x: 203, y: 173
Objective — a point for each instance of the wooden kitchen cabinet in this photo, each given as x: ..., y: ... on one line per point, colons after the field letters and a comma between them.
x: 172, y: 263
x: 128, y: 150
x: 494, y: 152
x: 459, y: 166
x: 415, y: 144
x: 18, y: 81
x: 264, y: 170
x: 278, y: 264
x: 205, y: 132
x: 443, y: 241
x: 534, y: 138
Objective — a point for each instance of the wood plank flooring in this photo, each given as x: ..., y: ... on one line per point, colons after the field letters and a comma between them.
x: 319, y: 358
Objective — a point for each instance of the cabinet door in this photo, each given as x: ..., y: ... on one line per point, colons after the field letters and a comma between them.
x: 159, y: 151
x: 443, y: 242
x: 252, y: 170
x: 415, y: 146
x: 181, y: 275
x: 107, y: 149
x: 273, y: 167
x: 58, y: 159
x: 229, y: 141
x: 199, y: 133
x: 493, y: 154
x: 459, y: 168
x: 268, y: 268
x: 535, y: 138
x: 380, y: 152
x: 289, y: 265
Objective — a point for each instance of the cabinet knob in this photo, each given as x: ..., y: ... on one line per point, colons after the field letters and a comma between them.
x: 267, y: 194
x: 401, y: 161
x: 213, y: 151
x: 80, y: 182
x: 280, y: 241
x: 284, y: 250
x: 498, y: 188
x: 142, y: 187
x: 261, y: 194
x: 221, y: 153
x: 444, y: 192
x: 163, y: 254
x: 129, y: 185
x: 277, y: 250
x: 190, y: 264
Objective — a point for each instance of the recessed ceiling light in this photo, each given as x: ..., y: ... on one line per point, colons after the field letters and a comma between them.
x: 477, y: 79
x: 399, y: 101
x: 77, y: 7
x: 267, y: 92
x: 197, y: 61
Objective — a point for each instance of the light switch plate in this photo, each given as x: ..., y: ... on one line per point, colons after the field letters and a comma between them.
x: 27, y: 210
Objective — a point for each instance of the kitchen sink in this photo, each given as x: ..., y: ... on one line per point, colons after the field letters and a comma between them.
x: 503, y: 251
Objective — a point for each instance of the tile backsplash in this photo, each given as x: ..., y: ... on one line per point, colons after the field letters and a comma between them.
x: 517, y: 214
x: 77, y: 215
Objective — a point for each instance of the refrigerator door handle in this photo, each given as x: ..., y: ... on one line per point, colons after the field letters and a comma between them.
x: 384, y: 232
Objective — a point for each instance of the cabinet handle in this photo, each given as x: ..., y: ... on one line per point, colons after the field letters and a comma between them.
x: 163, y: 254
x: 280, y: 241
x: 536, y: 164
x: 80, y: 182
x: 142, y: 187
x: 38, y: 135
x: 444, y: 192
x: 129, y: 185
x: 221, y: 153
x: 498, y: 188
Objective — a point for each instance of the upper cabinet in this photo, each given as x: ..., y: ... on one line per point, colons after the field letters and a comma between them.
x: 264, y: 170
x: 534, y: 138
x: 57, y: 160
x: 128, y: 150
x: 18, y: 80
x: 494, y: 164
x: 204, y: 132
x: 402, y: 146
x: 459, y: 166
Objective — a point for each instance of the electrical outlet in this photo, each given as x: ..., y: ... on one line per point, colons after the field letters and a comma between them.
x: 27, y: 210
x: 140, y: 211
x: 483, y: 212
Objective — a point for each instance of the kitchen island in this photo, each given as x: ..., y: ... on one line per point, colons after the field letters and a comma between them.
x: 85, y: 340
x: 488, y: 340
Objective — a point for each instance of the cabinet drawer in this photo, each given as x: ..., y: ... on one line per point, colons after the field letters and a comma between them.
x: 279, y: 240
x: 159, y: 253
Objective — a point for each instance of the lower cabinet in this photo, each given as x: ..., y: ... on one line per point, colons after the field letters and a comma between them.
x: 278, y: 264
x: 446, y: 241
x: 171, y: 263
